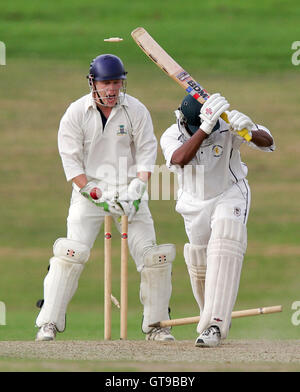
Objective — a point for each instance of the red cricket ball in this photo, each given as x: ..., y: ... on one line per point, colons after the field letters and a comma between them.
x: 95, y: 193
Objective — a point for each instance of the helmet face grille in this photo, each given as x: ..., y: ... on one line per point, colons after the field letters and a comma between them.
x: 101, y: 96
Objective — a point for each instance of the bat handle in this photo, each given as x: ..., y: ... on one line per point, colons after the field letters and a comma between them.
x: 244, y: 132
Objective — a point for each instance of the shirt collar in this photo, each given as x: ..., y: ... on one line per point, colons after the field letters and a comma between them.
x: 90, y: 103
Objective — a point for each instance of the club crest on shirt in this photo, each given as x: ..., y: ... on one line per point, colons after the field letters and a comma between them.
x: 237, y: 211
x: 217, y: 150
x: 121, y: 130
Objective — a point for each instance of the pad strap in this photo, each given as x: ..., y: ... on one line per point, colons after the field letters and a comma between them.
x: 195, y: 258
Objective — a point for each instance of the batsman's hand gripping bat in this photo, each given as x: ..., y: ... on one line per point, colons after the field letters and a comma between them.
x: 165, y: 62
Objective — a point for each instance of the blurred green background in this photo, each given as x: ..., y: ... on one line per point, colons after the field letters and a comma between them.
x: 241, y: 49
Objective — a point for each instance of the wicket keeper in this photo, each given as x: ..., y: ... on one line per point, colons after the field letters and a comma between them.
x: 108, y: 151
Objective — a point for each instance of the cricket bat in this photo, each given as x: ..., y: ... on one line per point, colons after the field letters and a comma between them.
x: 165, y: 62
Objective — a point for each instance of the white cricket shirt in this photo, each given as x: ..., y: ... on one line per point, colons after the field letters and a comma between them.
x: 115, y: 154
x: 215, y: 167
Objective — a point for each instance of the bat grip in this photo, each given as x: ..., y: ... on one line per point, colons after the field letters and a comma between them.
x: 244, y: 131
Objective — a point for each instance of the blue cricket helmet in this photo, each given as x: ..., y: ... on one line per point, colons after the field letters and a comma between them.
x: 107, y: 67
x: 190, y: 108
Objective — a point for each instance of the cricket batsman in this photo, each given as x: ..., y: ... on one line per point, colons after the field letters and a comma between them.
x: 108, y: 151
x: 214, y: 201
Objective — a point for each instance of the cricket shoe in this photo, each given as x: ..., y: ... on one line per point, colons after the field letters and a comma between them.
x: 46, y: 332
x: 210, y: 337
x: 160, y: 334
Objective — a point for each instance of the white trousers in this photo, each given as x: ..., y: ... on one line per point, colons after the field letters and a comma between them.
x: 199, y: 216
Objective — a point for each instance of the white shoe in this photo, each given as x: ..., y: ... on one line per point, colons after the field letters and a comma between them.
x: 210, y: 337
x: 46, y: 332
x: 160, y: 334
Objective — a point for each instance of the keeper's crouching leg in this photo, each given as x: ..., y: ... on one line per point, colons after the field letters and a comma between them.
x: 225, y: 253
x: 156, y: 286
x: 61, y: 282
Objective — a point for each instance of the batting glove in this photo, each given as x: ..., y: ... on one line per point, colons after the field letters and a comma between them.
x: 240, y: 124
x: 211, y: 111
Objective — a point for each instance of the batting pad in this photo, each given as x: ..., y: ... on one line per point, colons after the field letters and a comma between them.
x: 195, y: 258
x: 156, y: 286
x: 61, y: 282
x: 225, y: 253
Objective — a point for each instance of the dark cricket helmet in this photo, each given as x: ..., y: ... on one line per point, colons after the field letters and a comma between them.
x: 107, y: 67
x: 190, y: 108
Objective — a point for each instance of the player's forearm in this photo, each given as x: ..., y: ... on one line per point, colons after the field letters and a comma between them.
x: 80, y: 180
x: 144, y: 176
x: 261, y: 138
x: 184, y: 154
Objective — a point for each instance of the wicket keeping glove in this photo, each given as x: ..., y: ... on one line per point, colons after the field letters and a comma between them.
x: 101, y: 199
x: 135, y: 192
